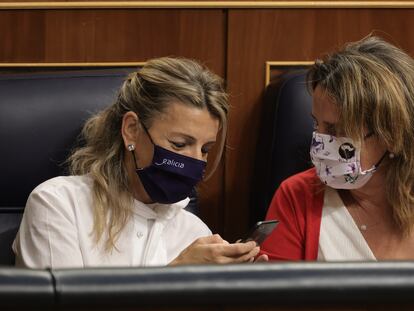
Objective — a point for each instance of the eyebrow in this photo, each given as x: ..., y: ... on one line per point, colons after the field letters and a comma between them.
x: 190, y: 138
x: 326, y: 123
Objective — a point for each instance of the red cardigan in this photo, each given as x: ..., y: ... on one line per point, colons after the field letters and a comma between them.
x: 297, y: 204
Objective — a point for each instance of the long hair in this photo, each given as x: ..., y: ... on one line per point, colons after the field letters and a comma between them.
x: 146, y: 92
x: 372, y: 83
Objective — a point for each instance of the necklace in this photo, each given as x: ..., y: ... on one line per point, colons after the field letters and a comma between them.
x: 357, y: 209
x: 363, y: 226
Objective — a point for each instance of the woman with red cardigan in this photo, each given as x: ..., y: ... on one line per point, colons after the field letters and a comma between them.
x: 357, y: 203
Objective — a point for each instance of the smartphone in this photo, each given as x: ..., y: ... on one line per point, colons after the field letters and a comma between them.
x: 260, y: 231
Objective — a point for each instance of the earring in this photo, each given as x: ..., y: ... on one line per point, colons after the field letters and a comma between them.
x: 131, y: 147
x: 391, y: 155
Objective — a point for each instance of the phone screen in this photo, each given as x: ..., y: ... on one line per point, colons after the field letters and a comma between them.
x: 261, y: 231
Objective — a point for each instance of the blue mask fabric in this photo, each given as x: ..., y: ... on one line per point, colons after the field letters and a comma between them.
x: 171, y: 176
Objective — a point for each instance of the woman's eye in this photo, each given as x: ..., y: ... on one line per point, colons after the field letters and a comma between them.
x: 331, y: 131
x: 177, y: 144
x: 205, y: 151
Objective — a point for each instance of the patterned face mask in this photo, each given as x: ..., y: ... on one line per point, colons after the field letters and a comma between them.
x: 337, y: 162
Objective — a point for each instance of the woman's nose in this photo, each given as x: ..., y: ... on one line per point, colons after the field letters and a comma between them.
x: 196, y: 153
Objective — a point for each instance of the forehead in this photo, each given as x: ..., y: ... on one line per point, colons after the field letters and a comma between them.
x: 324, y: 107
x: 181, y: 118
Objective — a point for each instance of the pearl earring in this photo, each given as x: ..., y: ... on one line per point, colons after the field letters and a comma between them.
x: 131, y: 147
x: 391, y: 155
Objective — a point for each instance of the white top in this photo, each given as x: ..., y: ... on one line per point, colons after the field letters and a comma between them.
x: 56, y: 230
x: 339, y: 237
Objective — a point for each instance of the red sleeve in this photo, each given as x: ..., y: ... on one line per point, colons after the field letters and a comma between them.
x: 298, y: 208
x: 286, y: 241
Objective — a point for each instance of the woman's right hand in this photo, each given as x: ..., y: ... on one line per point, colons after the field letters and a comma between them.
x: 213, y: 249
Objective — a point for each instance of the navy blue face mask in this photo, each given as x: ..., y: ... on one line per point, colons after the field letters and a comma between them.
x: 171, y: 176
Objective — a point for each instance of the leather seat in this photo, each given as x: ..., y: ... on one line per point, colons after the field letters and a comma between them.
x: 261, y: 286
x: 284, y: 138
x: 274, y: 285
x: 40, y: 118
x: 41, y: 114
x: 26, y: 289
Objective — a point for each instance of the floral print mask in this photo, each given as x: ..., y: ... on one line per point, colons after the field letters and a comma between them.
x: 337, y: 162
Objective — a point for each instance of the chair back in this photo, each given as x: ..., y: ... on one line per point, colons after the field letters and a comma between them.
x: 284, y: 138
x: 41, y: 116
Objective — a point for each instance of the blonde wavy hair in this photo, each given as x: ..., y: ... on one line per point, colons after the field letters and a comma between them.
x: 372, y: 83
x: 146, y: 92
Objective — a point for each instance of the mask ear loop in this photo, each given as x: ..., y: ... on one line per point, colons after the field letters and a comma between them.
x: 146, y: 131
x: 380, y: 160
x: 131, y: 148
x: 376, y: 165
x: 149, y: 136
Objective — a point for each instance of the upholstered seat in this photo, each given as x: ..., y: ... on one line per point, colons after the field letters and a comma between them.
x: 284, y: 138
x: 41, y: 114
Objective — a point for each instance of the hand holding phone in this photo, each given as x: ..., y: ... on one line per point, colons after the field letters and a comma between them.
x: 260, y: 231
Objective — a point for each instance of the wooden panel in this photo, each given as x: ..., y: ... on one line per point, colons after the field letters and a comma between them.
x: 191, y: 4
x: 22, y: 34
x: 112, y: 35
x: 257, y: 36
x: 121, y: 36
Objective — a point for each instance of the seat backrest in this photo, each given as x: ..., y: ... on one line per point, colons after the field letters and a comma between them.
x: 10, y: 219
x: 41, y: 115
x: 284, y: 139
